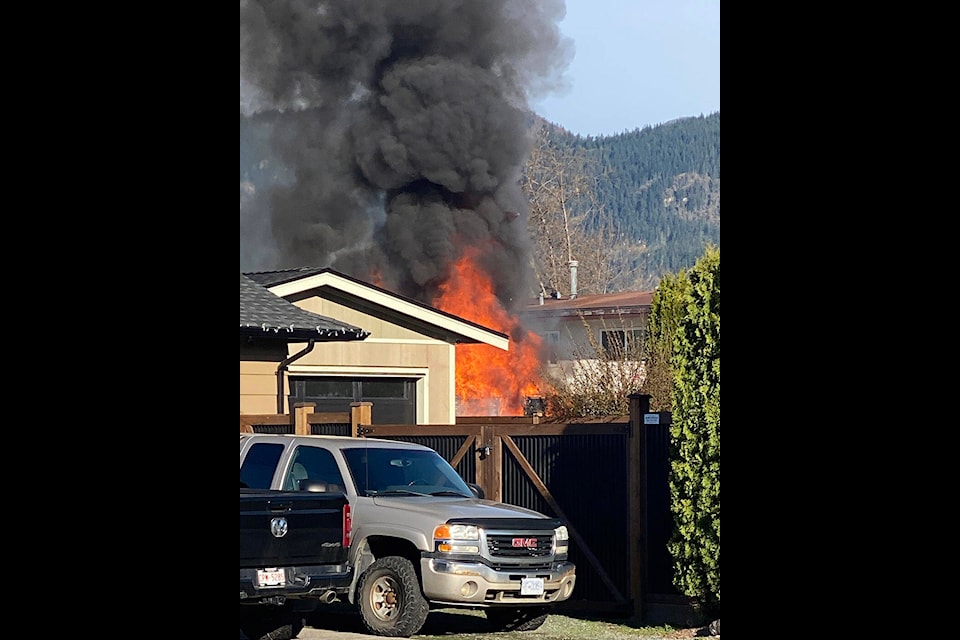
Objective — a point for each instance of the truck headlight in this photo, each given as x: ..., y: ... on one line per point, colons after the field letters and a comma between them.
x: 456, y: 538
x: 562, y: 538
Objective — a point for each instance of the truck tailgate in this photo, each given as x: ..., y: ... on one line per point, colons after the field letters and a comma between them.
x: 313, y: 523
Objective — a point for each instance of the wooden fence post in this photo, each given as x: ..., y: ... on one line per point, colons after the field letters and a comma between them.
x: 360, y: 415
x: 489, y: 470
x: 301, y: 426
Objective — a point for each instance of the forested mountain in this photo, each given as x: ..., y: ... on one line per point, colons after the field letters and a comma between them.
x: 651, y: 207
x: 662, y: 187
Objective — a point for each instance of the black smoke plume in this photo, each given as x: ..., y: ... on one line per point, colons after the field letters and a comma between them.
x: 381, y: 138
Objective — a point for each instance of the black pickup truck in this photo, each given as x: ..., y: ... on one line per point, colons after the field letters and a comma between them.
x: 293, y: 556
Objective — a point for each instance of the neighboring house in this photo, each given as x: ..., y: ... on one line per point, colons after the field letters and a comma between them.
x: 574, y: 328
x: 405, y: 366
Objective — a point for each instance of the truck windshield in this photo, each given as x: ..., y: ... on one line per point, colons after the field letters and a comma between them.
x: 403, y: 472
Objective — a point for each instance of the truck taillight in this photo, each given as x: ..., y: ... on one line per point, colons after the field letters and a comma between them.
x: 347, y: 526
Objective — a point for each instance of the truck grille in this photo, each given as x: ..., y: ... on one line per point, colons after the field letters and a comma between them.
x: 500, y: 546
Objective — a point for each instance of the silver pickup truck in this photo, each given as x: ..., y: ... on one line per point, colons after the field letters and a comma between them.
x: 419, y: 536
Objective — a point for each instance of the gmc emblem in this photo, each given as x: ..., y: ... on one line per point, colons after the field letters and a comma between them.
x: 525, y: 543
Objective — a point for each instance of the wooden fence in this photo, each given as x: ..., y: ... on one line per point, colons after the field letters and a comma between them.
x: 605, y: 478
x: 305, y: 422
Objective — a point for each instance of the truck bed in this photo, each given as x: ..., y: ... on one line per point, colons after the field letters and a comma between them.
x: 291, y: 543
x: 314, y: 528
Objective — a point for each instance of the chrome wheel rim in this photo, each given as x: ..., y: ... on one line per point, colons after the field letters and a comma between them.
x: 384, y: 599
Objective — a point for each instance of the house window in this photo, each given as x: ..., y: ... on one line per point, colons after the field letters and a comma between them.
x: 394, y: 399
x: 551, y: 345
x: 623, y: 344
x: 325, y: 387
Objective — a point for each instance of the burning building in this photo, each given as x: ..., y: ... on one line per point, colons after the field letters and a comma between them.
x: 408, y: 365
x: 386, y: 141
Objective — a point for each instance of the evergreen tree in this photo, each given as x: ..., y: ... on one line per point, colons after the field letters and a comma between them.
x: 695, y: 436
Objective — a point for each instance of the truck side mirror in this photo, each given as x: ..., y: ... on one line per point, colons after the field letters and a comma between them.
x: 477, y: 490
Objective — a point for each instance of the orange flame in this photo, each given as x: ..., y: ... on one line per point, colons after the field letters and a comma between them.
x: 490, y: 381
x: 376, y: 278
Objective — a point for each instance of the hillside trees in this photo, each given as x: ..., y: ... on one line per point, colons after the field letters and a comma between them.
x: 691, y: 306
x: 567, y: 223
x: 661, y: 187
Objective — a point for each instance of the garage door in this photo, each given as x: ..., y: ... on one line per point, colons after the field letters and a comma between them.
x: 394, y: 399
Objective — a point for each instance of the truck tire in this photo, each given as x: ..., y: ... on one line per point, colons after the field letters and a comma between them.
x: 516, y: 618
x: 266, y: 622
x: 391, y: 603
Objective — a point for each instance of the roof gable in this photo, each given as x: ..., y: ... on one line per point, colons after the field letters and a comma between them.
x: 266, y: 315
x: 379, y: 303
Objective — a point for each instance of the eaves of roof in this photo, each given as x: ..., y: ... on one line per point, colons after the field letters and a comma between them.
x: 608, y: 304
x: 379, y: 303
x: 265, y: 315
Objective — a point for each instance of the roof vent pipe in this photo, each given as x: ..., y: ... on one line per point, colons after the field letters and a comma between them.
x: 573, y: 278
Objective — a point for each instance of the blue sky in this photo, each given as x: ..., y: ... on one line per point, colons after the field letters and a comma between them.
x: 637, y: 63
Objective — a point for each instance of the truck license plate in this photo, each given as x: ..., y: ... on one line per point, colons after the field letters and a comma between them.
x: 531, y: 587
x: 271, y: 578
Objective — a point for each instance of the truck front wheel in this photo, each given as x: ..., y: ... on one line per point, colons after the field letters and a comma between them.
x: 516, y: 618
x: 391, y: 603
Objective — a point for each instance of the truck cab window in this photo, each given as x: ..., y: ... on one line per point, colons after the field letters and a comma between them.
x: 259, y: 464
x: 314, y: 465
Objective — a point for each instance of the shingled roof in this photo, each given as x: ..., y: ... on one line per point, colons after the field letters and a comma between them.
x: 281, y: 276
x: 265, y: 315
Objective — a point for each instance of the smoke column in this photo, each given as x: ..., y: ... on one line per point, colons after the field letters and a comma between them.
x: 383, y: 138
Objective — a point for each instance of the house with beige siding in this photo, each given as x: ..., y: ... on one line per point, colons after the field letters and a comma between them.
x: 405, y: 364
x: 576, y: 329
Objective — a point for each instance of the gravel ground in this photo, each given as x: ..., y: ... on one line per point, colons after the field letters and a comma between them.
x: 459, y: 624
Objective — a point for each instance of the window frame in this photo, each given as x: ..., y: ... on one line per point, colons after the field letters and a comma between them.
x: 627, y: 338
